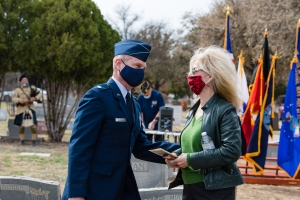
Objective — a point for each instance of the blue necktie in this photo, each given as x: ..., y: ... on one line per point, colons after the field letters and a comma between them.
x: 130, y: 108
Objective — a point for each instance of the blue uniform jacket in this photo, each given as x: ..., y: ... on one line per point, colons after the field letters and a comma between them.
x: 101, y: 146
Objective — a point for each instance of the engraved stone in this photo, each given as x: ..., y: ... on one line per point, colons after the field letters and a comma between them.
x: 149, y: 174
x: 25, y: 188
x: 161, y: 193
x: 3, y: 115
x: 13, y: 132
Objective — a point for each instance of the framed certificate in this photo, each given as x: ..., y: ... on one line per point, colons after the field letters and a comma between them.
x: 162, y: 152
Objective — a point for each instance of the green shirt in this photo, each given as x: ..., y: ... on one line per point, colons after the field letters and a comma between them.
x: 191, y: 142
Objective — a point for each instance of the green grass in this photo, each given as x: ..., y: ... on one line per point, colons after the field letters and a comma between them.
x: 7, y: 162
x: 53, y: 168
x: 17, y: 173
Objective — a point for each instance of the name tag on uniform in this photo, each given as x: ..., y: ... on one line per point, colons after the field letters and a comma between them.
x: 154, y: 102
x: 120, y: 119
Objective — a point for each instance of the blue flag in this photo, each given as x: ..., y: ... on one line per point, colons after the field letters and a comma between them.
x: 227, y: 40
x: 289, y: 143
x: 298, y: 40
x: 298, y: 56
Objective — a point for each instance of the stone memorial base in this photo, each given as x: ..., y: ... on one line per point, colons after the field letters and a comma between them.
x: 148, y: 174
x: 13, y: 132
x: 25, y: 188
x: 161, y: 193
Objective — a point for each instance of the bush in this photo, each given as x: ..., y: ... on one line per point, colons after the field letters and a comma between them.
x: 279, y: 90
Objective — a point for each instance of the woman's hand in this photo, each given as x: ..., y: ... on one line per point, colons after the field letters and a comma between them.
x: 181, y: 161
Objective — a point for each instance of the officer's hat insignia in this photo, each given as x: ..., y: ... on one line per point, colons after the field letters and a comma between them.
x: 145, y: 87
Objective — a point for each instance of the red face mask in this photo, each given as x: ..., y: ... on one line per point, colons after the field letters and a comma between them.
x: 196, y: 84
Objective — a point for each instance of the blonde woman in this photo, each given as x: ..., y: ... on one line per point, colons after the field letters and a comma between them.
x: 210, y: 174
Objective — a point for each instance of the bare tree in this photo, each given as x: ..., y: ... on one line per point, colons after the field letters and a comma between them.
x: 247, y: 26
x: 159, y: 64
x: 126, y: 20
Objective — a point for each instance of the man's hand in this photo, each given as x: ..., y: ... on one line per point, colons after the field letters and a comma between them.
x: 76, y: 198
x: 151, y: 125
x: 32, y: 99
x: 21, y: 100
x: 171, y: 163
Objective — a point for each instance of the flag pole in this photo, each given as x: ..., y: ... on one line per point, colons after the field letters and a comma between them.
x: 296, y: 42
x: 261, y: 78
x: 243, y: 61
x: 266, y: 31
x: 272, y: 70
x: 295, y: 59
x: 226, y: 9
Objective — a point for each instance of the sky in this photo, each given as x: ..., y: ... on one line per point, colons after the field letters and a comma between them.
x: 170, y: 11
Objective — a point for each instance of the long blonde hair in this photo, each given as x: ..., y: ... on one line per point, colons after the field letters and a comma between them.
x: 216, y: 62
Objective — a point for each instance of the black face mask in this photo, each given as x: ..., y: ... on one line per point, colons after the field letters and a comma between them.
x: 132, y: 76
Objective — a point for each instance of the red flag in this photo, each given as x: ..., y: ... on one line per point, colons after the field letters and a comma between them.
x: 254, y: 103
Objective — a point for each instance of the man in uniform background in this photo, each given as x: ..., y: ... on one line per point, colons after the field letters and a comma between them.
x: 108, y: 129
x: 23, y: 97
x: 150, y: 101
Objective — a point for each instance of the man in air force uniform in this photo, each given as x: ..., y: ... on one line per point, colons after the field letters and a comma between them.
x: 108, y: 129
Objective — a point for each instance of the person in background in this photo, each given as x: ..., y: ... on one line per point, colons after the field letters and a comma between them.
x: 23, y: 97
x: 150, y: 101
x: 210, y: 174
x: 108, y: 129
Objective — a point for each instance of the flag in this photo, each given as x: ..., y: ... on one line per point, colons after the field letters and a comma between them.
x: 289, y: 143
x: 227, y: 41
x: 258, y: 145
x: 297, y: 47
x: 297, y: 50
x: 242, y: 86
x: 252, y: 78
x: 254, y: 103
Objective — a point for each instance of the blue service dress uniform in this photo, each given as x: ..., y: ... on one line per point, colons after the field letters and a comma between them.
x: 101, y: 145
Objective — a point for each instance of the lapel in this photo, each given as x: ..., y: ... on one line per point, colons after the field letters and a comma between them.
x: 118, y: 96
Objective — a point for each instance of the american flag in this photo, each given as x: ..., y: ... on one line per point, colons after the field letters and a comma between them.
x: 227, y: 41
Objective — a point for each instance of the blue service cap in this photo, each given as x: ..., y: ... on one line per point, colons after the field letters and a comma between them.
x: 135, y: 48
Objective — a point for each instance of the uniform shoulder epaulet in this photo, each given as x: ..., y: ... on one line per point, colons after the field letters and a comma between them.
x: 102, y: 87
x: 134, y: 97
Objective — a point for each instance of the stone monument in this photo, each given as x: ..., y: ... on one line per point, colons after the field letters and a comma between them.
x: 149, y: 174
x: 25, y: 188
